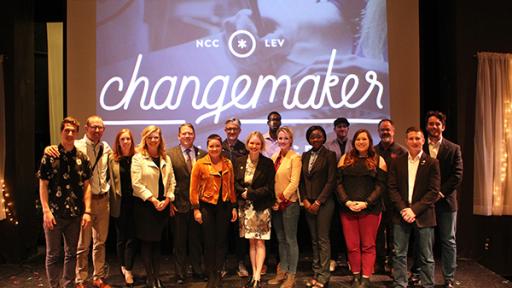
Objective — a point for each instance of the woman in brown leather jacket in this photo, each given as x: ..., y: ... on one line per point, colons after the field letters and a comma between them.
x: 213, y: 197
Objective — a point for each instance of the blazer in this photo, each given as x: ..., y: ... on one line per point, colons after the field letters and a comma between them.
x: 425, y: 193
x: 182, y: 175
x: 115, y: 187
x: 206, y: 182
x: 287, y: 177
x: 261, y: 190
x: 319, y: 184
x: 145, y: 176
x: 335, y: 147
x: 450, y: 163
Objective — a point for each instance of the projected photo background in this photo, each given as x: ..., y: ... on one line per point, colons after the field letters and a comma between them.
x: 170, y: 62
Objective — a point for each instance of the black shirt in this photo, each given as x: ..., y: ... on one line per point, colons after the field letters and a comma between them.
x: 66, y: 176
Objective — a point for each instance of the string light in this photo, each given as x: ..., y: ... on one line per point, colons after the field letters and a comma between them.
x: 8, y: 204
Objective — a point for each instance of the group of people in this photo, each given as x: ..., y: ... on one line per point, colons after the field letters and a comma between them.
x: 380, y: 193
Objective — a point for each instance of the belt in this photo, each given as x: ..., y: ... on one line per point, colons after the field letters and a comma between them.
x: 99, y: 196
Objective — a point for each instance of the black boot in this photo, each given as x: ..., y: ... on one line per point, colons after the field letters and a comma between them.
x: 356, y: 281
x: 365, y: 282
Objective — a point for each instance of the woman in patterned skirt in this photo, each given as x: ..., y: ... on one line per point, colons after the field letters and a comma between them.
x: 254, y: 184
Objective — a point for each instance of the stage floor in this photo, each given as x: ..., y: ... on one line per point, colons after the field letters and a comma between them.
x: 470, y: 274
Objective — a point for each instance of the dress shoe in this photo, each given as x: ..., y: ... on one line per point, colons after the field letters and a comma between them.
x: 99, y: 283
x: 180, y: 280
x: 242, y: 270
x: 356, y: 281
x: 448, y: 283
x: 200, y: 277
x: 414, y: 280
x: 249, y: 283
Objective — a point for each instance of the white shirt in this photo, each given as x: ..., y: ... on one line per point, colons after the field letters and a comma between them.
x: 412, y: 170
x: 433, y: 147
x: 99, y: 184
x: 271, y: 146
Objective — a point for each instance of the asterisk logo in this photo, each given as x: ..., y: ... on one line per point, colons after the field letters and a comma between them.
x: 242, y: 44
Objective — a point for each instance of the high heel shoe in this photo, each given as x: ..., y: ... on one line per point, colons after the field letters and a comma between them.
x: 256, y: 284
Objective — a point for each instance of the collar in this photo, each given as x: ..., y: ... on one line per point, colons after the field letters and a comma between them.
x: 417, y: 158
x: 89, y: 141
x: 183, y: 149
x: 63, y: 151
x: 430, y: 142
x: 342, y: 141
x: 383, y: 147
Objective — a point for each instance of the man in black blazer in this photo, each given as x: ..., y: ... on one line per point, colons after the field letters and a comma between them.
x: 413, y: 187
x: 186, y: 230
x: 450, y: 162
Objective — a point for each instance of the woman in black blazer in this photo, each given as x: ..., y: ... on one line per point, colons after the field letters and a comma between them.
x: 317, y: 183
x: 254, y: 185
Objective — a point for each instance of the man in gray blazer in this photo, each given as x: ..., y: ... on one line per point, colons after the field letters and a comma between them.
x: 341, y: 144
x: 186, y: 230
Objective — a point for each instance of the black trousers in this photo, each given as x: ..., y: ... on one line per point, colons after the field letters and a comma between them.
x: 216, y: 219
x: 187, y: 232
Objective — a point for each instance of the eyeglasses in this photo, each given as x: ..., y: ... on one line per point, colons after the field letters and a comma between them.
x: 100, y: 128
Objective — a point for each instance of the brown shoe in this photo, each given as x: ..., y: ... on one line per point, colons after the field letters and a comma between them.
x: 289, y: 282
x: 278, y: 279
x: 100, y: 283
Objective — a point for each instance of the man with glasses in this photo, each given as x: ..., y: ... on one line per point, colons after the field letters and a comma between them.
x: 233, y: 148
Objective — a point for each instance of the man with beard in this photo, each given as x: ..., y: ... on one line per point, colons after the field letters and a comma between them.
x: 340, y: 145
x: 389, y: 150
x: 450, y: 162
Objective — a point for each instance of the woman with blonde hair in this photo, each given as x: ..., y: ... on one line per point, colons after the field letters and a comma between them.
x: 153, y: 184
x: 286, y: 210
x: 254, y: 185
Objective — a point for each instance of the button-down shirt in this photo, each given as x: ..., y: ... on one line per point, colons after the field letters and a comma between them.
x: 433, y: 147
x: 66, y: 176
x: 99, y: 184
x: 192, y: 154
x: 312, y: 159
x: 412, y: 169
x: 271, y: 146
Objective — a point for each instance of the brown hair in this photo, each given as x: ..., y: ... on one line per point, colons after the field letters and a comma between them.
x: 117, y: 145
x: 352, y: 157
x: 70, y: 120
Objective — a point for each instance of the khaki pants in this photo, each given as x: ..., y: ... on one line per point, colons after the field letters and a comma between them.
x: 97, y: 231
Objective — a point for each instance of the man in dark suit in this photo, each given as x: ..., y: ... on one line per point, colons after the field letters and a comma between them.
x: 186, y: 230
x: 450, y: 162
x: 413, y: 187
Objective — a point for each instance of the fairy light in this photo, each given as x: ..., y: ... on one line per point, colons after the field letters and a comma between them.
x: 8, y: 204
x: 503, y: 168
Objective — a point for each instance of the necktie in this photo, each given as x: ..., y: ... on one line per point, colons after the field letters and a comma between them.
x: 189, y: 160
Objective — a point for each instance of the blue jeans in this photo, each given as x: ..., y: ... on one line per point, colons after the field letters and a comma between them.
x: 446, y: 226
x: 425, y: 260
x: 285, y: 224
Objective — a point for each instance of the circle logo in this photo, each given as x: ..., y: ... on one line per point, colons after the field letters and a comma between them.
x: 245, y: 44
